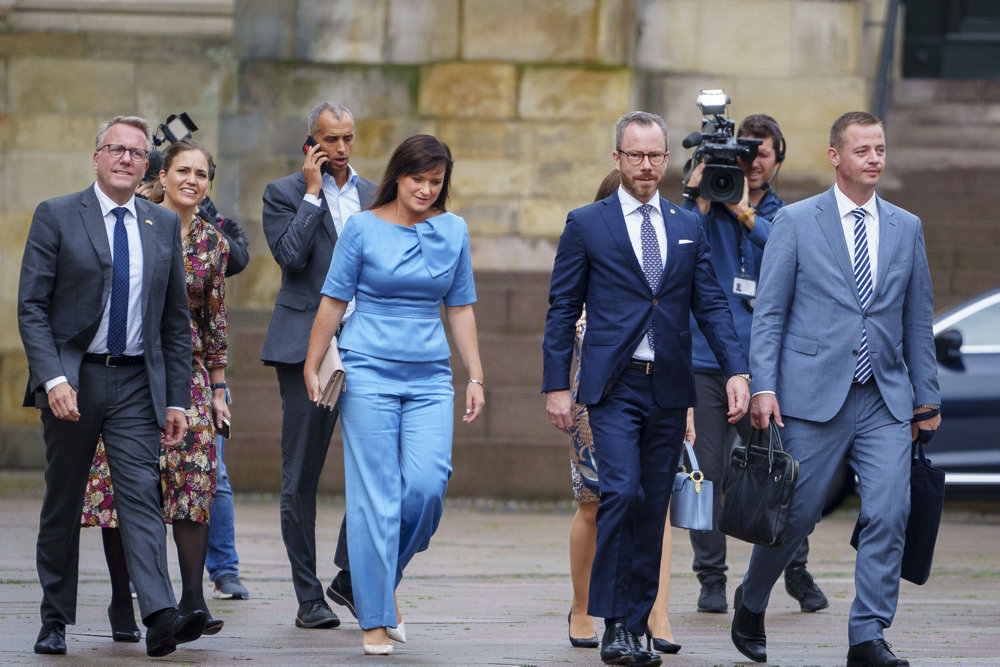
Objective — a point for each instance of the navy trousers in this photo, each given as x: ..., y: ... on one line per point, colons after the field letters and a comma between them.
x: 637, y: 445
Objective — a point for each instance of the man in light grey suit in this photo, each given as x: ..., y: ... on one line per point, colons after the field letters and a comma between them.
x: 842, y: 338
x: 303, y: 214
x: 103, y: 315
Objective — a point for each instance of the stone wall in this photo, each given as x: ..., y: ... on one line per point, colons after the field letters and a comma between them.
x: 526, y: 92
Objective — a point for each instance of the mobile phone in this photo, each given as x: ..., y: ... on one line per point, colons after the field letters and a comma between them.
x: 224, y: 429
x: 309, y: 143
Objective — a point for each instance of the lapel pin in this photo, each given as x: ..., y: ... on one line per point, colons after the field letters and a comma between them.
x: 149, y: 222
x: 671, y: 211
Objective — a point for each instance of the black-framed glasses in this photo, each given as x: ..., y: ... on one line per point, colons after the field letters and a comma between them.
x: 117, y: 150
x: 656, y: 158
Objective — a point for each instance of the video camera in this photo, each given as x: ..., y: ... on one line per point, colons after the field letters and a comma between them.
x: 174, y: 128
x: 722, y: 178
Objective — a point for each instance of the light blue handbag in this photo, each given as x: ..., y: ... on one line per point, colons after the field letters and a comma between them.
x: 691, y: 502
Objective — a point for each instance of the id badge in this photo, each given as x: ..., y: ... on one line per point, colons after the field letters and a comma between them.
x: 745, y: 287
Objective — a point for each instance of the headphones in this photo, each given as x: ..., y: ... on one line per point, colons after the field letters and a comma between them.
x: 780, y: 156
x: 774, y: 131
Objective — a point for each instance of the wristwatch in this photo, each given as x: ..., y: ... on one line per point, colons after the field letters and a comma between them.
x: 745, y: 376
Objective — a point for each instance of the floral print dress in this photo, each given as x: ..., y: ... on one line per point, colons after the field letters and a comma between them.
x: 187, y: 471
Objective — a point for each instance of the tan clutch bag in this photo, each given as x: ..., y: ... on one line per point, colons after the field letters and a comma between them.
x: 331, y: 376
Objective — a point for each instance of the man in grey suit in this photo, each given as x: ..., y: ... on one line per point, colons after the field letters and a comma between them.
x: 103, y: 315
x: 842, y: 338
x: 303, y: 214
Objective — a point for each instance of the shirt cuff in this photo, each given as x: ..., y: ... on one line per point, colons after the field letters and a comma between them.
x: 53, y: 382
x: 311, y: 199
x: 174, y: 407
x: 763, y: 391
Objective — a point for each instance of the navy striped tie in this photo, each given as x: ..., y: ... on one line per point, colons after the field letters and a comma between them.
x: 118, y: 313
x: 863, y: 278
x: 652, y: 264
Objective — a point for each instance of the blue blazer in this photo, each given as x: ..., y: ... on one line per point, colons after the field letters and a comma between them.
x: 595, y: 264
x: 808, y: 319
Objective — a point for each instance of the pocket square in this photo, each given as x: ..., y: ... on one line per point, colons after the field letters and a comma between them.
x: 684, y: 241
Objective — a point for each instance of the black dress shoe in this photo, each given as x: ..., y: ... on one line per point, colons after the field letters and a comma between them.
x: 171, y: 628
x: 660, y: 645
x: 51, y: 639
x: 801, y: 586
x: 316, y: 614
x: 123, y: 626
x: 589, y: 642
x: 212, y: 625
x: 341, y: 591
x: 874, y: 653
x: 748, y: 630
x: 616, y: 648
x: 712, y: 598
x: 642, y: 656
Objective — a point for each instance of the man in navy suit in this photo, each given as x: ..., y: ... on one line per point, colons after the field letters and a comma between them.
x: 842, y: 337
x: 103, y: 313
x: 641, y: 265
x: 303, y: 214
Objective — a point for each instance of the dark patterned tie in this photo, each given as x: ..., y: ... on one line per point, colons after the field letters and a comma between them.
x: 118, y: 314
x: 652, y: 265
x: 863, y: 278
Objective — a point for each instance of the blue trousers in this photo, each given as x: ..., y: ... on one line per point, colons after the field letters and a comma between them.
x: 221, y: 557
x: 637, y: 445
x: 396, y: 420
x: 878, y: 448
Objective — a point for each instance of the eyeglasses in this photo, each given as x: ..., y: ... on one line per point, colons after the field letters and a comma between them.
x: 655, y: 159
x: 117, y: 150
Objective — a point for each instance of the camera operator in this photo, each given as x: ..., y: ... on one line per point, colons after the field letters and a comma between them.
x: 737, y: 233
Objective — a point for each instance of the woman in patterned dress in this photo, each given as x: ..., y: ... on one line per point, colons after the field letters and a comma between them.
x: 587, y: 491
x: 187, y: 471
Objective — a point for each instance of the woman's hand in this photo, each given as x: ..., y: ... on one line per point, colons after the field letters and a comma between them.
x: 220, y: 409
x: 312, y: 384
x: 474, y: 402
x: 689, y: 434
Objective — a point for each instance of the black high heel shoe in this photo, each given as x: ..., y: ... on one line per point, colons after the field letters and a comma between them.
x: 212, y: 626
x: 660, y: 645
x: 589, y: 642
x: 123, y: 626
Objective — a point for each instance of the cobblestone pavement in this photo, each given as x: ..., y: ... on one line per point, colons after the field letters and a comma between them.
x: 493, y: 589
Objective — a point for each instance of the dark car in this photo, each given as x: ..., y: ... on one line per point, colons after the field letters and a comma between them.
x: 967, y: 446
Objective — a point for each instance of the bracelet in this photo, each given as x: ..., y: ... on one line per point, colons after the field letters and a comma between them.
x: 218, y: 385
x: 743, y: 217
x: 479, y: 382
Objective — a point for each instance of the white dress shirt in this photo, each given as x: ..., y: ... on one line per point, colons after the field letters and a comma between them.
x: 633, y: 224
x: 846, y: 208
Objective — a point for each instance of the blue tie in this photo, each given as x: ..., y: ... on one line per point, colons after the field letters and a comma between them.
x: 652, y: 265
x: 118, y: 314
x: 863, y: 278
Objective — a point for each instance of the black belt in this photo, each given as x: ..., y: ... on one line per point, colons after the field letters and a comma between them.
x: 639, y: 365
x: 113, y: 362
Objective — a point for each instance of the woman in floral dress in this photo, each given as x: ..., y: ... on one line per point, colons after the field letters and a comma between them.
x: 187, y: 471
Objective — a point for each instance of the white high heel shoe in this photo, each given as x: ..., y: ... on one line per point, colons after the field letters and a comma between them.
x: 377, y: 649
x: 397, y: 634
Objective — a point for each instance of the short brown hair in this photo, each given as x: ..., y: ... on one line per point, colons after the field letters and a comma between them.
x: 850, y: 118
x: 134, y: 121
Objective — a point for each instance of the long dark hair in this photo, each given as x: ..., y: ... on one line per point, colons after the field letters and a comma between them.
x: 415, y: 155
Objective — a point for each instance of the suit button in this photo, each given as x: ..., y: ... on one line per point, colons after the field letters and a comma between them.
x: 656, y: 302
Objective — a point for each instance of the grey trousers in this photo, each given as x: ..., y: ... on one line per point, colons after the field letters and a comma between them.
x: 117, y: 403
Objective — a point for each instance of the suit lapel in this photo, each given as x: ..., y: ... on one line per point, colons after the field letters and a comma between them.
x: 828, y: 221
x: 93, y: 222
x: 672, y: 242
x: 614, y: 221
x: 887, y: 239
x: 147, y: 236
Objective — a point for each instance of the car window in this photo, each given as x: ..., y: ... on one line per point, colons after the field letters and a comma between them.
x: 980, y: 329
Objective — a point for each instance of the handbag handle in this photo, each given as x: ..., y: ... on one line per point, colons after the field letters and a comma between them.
x: 696, y: 474
x: 773, y: 442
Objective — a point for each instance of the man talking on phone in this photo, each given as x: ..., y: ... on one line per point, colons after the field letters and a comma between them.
x: 303, y: 215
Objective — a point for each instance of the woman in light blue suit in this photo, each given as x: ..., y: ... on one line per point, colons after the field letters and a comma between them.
x: 400, y: 260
